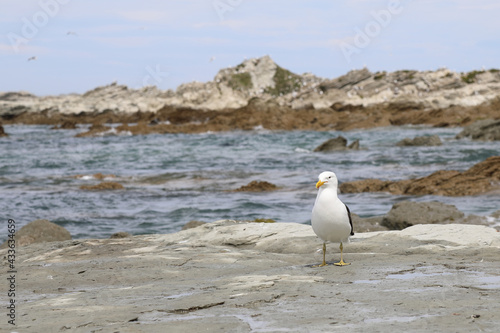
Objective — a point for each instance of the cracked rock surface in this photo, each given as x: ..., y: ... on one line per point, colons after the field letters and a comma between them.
x: 228, y: 276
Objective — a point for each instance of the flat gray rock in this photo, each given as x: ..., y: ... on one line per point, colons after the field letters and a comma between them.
x: 259, y: 277
x: 482, y: 130
x: 407, y: 213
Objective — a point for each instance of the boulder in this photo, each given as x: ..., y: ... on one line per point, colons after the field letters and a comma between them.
x: 257, y: 186
x: 336, y: 144
x: 40, y: 231
x: 407, y: 213
x: 483, y: 130
x: 432, y: 140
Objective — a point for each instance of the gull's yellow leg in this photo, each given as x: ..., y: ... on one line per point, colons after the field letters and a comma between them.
x: 341, y: 262
x: 324, y: 253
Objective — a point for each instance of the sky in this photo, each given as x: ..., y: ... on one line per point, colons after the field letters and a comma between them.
x: 83, y: 44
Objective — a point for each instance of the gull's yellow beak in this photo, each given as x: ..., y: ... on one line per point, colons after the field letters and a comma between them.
x: 319, y: 183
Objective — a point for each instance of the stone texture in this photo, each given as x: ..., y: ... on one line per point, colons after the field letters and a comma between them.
x: 336, y: 144
x: 431, y: 140
x: 40, y: 231
x: 233, y: 87
x: 408, y: 213
x: 120, y: 234
x: 192, y: 224
x: 483, y: 130
x: 257, y: 186
x: 247, y: 277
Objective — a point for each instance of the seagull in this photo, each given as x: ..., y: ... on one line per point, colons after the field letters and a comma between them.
x: 212, y: 59
x: 331, y: 219
x: 32, y: 58
x: 72, y: 33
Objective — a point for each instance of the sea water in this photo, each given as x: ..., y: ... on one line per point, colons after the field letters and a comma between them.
x: 171, y: 179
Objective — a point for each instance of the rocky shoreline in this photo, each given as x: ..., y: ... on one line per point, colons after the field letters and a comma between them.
x: 248, y: 277
x: 482, y: 178
x: 260, y: 93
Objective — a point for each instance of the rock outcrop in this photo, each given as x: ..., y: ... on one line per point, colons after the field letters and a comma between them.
x: 261, y: 77
x: 257, y: 186
x: 482, y: 178
x: 483, y: 130
x: 336, y: 144
x: 432, y: 140
x: 39, y: 231
x: 405, y: 214
x: 247, y: 277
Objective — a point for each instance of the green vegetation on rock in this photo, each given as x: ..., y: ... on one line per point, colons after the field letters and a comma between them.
x: 240, y: 81
x: 471, y: 76
x: 285, y: 82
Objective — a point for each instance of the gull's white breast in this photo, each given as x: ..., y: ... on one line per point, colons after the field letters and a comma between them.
x: 330, y: 220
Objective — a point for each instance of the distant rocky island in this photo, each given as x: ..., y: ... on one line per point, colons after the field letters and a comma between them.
x: 258, y: 92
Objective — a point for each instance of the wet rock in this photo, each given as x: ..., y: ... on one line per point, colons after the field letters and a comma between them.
x: 336, y: 144
x: 94, y: 130
x: 482, y: 178
x: 69, y: 124
x: 192, y: 224
x: 257, y: 186
x: 407, y: 213
x: 2, y: 132
x: 120, y: 234
x: 483, y: 130
x: 103, y: 186
x: 40, y: 231
x: 98, y: 176
x: 432, y: 140
x: 374, y: 185
x: 101, y: 176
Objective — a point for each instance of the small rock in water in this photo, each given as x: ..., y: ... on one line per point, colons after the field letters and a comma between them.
x: 483, y: 130
x: 257, y: 186
x: 103, y: 186
x: 432, y: 140
x: 335, y: 144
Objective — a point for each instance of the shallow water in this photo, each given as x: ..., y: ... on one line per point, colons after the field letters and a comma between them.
x: 175, y: 178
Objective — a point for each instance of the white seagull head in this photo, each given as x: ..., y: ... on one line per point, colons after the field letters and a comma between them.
x: 327, y: 179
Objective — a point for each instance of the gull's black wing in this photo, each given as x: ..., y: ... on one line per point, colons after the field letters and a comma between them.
x: 350, y: 219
